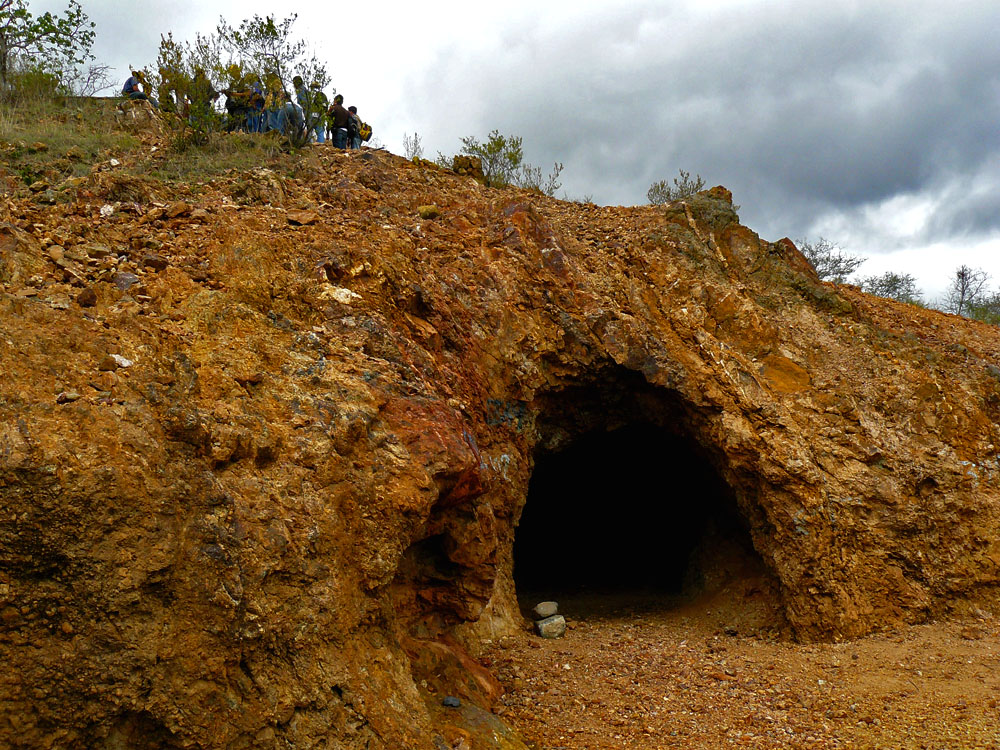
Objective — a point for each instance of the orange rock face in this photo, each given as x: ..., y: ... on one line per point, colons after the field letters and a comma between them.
x: 290, y: 517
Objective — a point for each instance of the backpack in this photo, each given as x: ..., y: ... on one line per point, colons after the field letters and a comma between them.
x: 365, y: 131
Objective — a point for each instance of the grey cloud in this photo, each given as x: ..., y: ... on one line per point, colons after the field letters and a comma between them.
x: 129, y: 34
x: 970, y: 211
x: 801, y: 110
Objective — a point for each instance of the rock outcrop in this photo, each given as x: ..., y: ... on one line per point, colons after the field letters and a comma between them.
x: 260, y: 476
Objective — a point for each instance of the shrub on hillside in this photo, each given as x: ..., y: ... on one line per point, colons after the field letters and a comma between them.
x: 897, y: 286
x: 832, y: 263
x: 502, y: 161
x: 662, y: 192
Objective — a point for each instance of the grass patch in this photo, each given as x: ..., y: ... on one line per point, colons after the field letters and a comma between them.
x: 54, y: 138
x: 221, y: 153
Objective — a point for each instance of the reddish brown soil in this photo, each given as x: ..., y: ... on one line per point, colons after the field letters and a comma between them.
x: 719, y: 671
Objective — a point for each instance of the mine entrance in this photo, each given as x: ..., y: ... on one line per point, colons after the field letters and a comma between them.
x: 628, y: 509
x: 625, y: 504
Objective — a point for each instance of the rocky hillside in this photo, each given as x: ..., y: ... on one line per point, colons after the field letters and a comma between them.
x: 265, y: 439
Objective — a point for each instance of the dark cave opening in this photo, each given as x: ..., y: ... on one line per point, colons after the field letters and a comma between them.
x: 635, y: 509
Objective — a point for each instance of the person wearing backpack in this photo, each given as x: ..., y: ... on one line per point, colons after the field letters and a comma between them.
x: 340, y: 122
x: 354, y: 128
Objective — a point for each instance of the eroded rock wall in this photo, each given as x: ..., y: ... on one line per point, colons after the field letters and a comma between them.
x: 262, y: 454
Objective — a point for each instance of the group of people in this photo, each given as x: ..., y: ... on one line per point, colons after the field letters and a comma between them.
x: 255, y: 107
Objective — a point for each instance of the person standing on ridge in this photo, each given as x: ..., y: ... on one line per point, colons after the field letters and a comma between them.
x: 313, y: 103
x: 341, y: 119
x: 319, y: 104
x: 273, y: 104
x: 354, y: 129
x: 293, y: 122
x: 256, y: 118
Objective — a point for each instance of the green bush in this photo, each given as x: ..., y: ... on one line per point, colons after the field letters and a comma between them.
x: 32, y: 84
x: 662, y: 192
x: 503, y: 164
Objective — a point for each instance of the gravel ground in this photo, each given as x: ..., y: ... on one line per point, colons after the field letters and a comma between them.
x: 723, y: 671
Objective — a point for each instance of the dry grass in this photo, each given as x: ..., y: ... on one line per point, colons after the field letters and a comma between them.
x: 53, y: 139
x: 220, y: 153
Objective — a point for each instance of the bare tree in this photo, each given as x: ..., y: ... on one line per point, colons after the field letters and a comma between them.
x: 412, y: 147
x: 832, y: 263
x: 531, y: 177
x: 90, y: 81
x: 968, y: 290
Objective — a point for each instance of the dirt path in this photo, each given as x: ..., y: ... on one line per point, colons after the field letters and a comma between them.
x: 719, y: 672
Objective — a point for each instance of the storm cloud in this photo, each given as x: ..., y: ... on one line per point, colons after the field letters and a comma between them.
x: 802, y: 109
x: 874, y: 124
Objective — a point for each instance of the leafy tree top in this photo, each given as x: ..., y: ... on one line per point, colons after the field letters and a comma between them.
x: 58, y: 42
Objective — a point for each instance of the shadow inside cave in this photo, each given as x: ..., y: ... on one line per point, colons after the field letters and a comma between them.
x: 635, y: 517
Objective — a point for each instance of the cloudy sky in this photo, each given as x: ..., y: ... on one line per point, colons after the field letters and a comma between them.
x: 873, y: 124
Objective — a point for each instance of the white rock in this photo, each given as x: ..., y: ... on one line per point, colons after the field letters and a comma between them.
x: 545, y: 609
x: 340, y: 294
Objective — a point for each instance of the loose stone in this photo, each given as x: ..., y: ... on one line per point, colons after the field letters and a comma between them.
x: 177, y: 209
x: 551, y: 627
x: 123, y: 280
x: 156, y: 262
x: 546, y: 609
x: 87, y: 298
